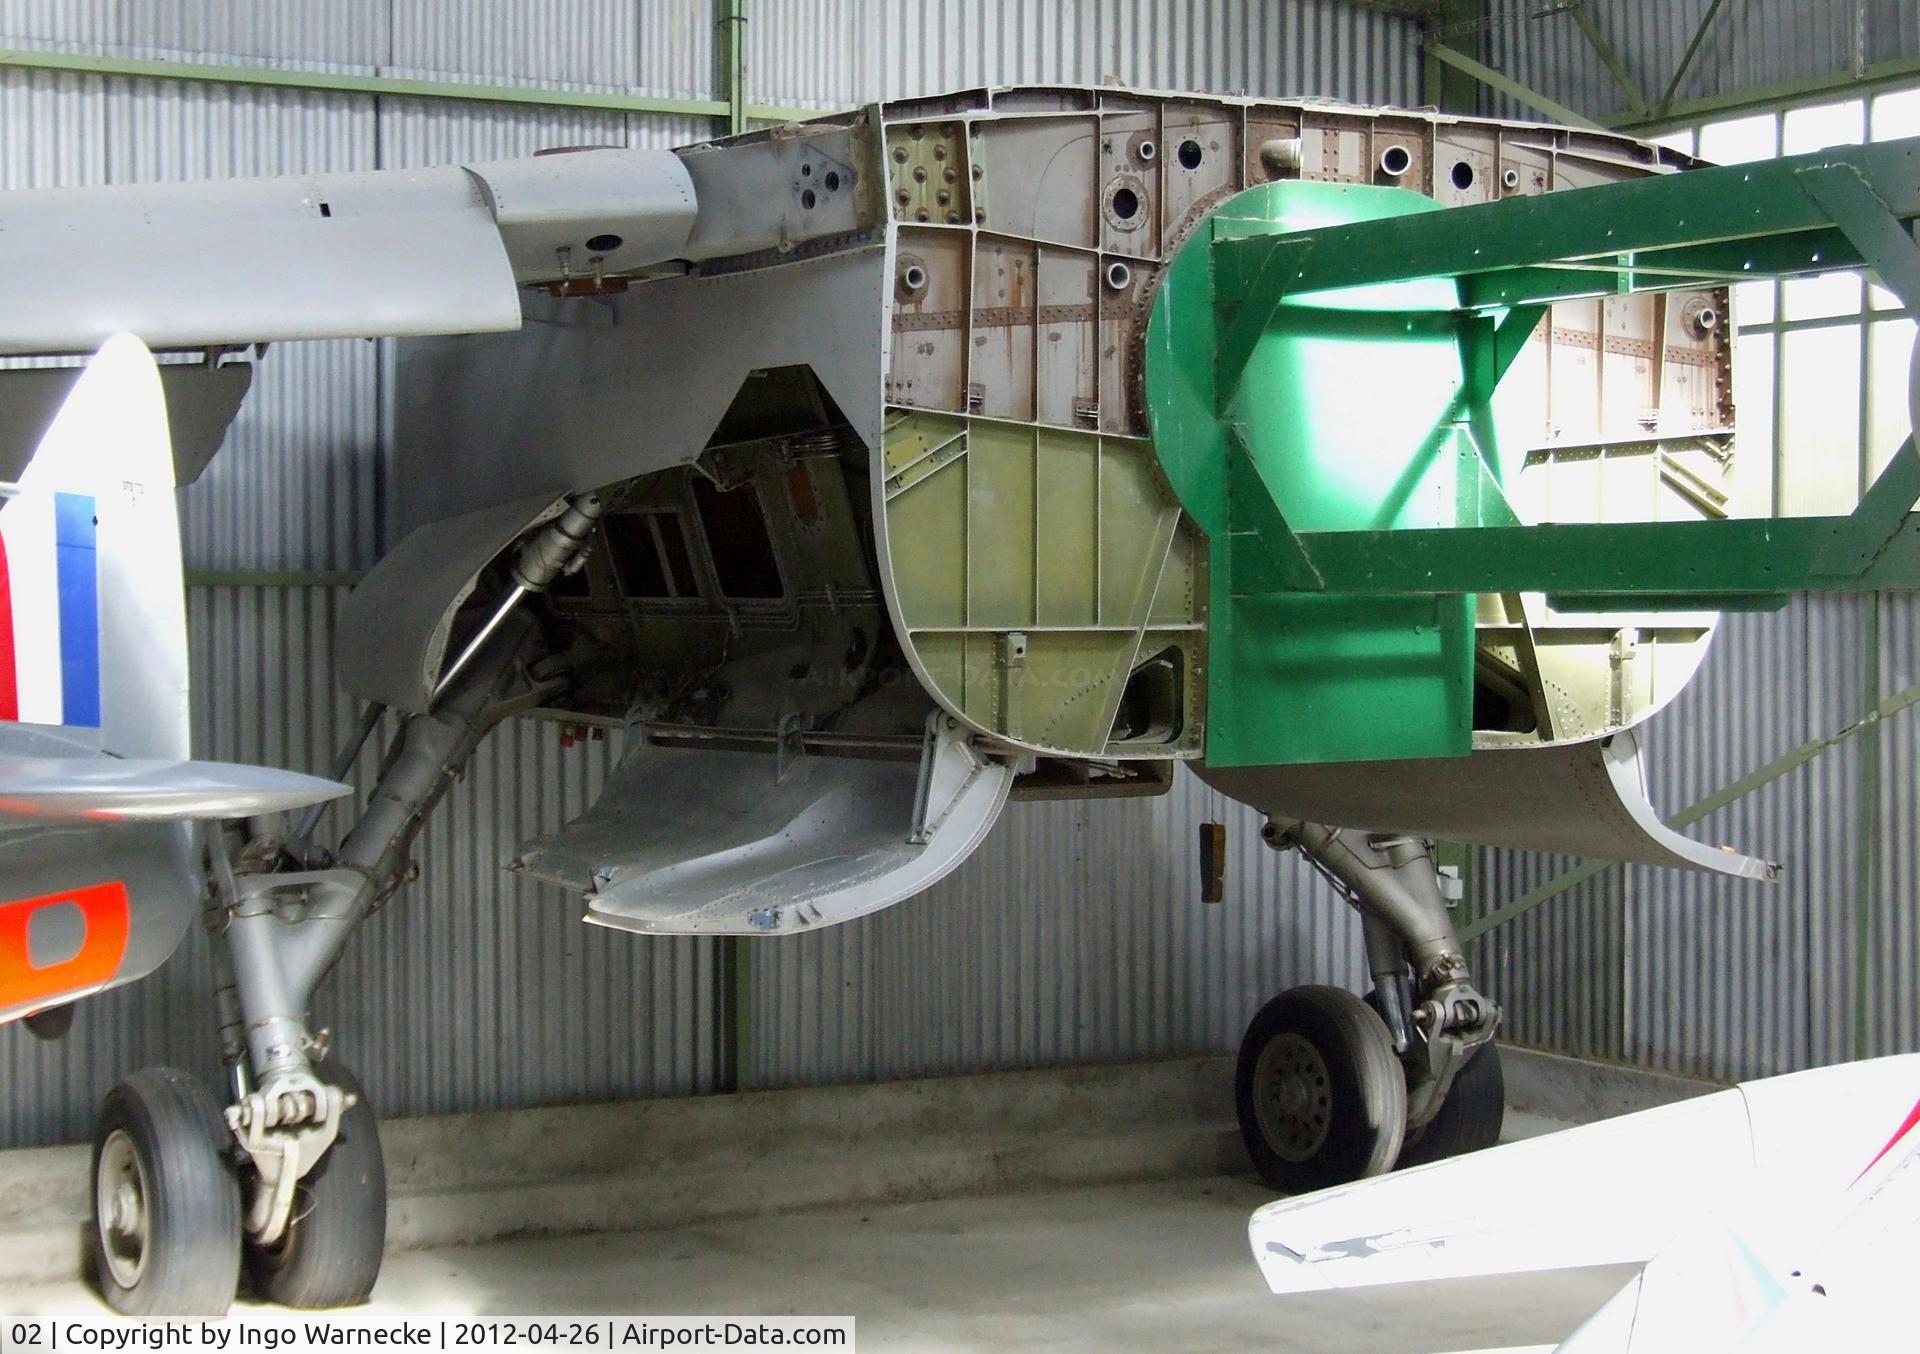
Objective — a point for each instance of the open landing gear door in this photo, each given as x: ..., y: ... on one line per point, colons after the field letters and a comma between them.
x: 1582, y: 799
x: 692, y: 841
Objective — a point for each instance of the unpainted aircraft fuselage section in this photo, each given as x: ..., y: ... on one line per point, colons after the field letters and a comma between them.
x: 870, y: 471
x: 883, y: 449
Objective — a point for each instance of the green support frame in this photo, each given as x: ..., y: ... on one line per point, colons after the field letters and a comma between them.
x: 1832, y: 210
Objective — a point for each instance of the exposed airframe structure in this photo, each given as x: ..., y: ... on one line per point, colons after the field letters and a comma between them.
x: 872, y: 471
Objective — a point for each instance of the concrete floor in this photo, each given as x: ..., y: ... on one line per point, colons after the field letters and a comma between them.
x: 1161, y: 1265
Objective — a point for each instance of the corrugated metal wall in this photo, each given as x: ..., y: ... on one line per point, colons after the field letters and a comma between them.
x: 1076, y: 934
x: 1729, y: 978
x: 1751, y: 44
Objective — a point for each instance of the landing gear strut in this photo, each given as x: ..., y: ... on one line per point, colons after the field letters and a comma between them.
x: 1332, y: 1088
x: 291, y: 1173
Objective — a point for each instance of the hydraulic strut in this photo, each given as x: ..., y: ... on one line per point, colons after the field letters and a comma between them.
x: 1436, y: 1016
x: 281, y: 930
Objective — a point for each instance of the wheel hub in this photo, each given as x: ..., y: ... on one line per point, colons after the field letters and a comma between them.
x: 1292, y: 1097
x: 120, y: 1204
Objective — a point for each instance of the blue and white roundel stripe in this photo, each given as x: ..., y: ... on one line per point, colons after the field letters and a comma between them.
x: 49, y: 610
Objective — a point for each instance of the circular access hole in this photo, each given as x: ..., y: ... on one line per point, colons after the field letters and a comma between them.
x: 1118, y: 275
x: 806, y: 171
x: 1146, y: 150
x: 832, y: 180
x: 1126, y: 203
x: 1189, y: 154
x: 1462, y: 175
x: 807, y: 199
x: 605, y: 244
x: 1394, y: 161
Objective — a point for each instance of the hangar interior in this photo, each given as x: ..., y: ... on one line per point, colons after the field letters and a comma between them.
x: 1079, y: 936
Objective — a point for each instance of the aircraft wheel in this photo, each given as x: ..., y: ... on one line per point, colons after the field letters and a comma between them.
x: 1471, y: 1116
x: 1321, y: 1096
x: 331, y: 1252
x: 165, y: 1239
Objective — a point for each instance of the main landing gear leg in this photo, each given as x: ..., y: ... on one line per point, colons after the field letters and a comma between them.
x: 291, y: 1173
x: 1331, y: 1087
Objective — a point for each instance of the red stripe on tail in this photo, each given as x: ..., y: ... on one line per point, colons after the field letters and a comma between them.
x: 1907, y: 1126
x: 9, y: 674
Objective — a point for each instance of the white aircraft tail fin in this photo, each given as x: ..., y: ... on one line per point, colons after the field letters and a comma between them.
x: 93, y: 621
x: 93, y: 626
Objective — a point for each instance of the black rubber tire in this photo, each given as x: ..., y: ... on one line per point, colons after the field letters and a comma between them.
x: 190, y: 1199
x: 1470, y: 1118
x: 1363, y: 1098
x: 331, y: 1253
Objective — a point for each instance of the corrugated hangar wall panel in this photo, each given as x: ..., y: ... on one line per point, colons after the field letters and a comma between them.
x: 1735, y: 978
x: 662, y: 47
x: 1750, y: 45
x: 472, y: 989
x: 1320, y: 47
x: 335, y: 33
x: 52, y: 129
x: 1075, y: 934
x: 1556, y: 970
x: 1728, y: 978
x: 296, y: 483
x: 1892, y: 1022
x: 57, y: 23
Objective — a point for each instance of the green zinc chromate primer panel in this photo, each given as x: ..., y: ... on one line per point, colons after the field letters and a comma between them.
x: 1344, y: 416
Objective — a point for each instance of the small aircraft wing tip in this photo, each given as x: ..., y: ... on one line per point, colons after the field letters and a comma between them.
x: 108, y: 789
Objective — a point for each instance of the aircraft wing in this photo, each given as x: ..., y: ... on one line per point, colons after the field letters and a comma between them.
x: 352, y: 255
x: 112, y: 789
x: 1614, y: 1192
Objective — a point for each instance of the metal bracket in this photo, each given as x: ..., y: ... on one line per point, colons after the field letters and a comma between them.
x: 790, y: 745
x: 285, y: 1128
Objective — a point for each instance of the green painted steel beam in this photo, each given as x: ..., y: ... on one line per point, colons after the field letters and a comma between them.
x: 1662, y: 231
x: 1833, y: 209
x: 1450, y: 22
x: 731, y: 57
x: 1686, y: 62
x: 1881, y: 75
x: 1507, y: 85
x: 1583, y: 16
x: 1398, y: 9
x: 1759, y: 558
x: 386, y: 86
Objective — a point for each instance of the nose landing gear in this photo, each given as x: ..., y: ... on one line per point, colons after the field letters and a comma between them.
x: 329, y: 1253
x: 1320, y: 1094
x: 1332, y: 1088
